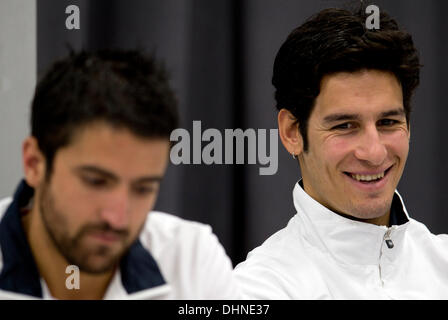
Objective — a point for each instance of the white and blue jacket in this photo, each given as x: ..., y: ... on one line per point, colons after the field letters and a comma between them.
x: 172, y: 259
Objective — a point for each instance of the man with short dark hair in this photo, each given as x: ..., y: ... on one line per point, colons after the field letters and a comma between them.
x: 343, y: 93
x: 79, y: 225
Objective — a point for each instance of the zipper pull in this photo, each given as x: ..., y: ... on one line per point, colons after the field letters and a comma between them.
x: 388, y: 240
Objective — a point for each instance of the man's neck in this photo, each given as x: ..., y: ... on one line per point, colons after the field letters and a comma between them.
x: 52, y: 265
x: 379, y: 221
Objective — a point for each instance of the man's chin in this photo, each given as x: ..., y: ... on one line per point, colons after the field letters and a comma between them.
x: 98, y: 261
x: 98, y: 266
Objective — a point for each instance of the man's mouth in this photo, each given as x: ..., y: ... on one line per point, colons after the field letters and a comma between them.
x: 368, y: 178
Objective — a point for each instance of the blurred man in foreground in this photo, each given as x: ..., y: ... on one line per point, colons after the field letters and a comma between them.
x: 98, y: 150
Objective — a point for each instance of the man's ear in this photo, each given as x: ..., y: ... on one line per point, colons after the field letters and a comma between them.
x: 288, y: 129
x: 33, y: 162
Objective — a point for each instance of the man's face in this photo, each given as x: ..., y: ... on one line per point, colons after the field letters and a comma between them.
x: 358, y: 143
x: 98, y: 196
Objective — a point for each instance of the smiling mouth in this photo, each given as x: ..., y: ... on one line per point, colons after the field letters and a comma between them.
x: 368, y: 178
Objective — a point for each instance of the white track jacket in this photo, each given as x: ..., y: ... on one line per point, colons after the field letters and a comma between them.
x: 322, y: 255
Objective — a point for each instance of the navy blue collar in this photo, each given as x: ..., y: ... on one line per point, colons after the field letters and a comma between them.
x: 139, y: 270
x: 19, y: 273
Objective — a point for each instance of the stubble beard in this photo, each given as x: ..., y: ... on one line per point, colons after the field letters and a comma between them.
x: 72, y: 248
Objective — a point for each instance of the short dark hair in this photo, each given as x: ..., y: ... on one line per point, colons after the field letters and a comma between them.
x: 337, y: 40
x: 125, y: 89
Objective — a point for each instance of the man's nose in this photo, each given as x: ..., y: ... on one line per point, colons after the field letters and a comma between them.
x: 370, y: 147
x: 117, y: 209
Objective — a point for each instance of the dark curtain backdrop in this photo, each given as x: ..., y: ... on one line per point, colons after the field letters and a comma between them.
x: 220, y: 55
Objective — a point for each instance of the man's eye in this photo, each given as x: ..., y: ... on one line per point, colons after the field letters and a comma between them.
x: 343, y: 126
x: 94, y: 182
x: 388, y: 122
x: 144, y: 190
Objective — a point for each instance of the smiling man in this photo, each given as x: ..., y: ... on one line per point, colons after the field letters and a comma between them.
x: 343, y: 93
x: 98, y: 150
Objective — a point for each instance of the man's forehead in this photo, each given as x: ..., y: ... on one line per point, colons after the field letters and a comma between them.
x: 104, y: 149
x: 365, y: 84
x: 100, y: 130
x: 102, y: 136
x: 367, y: 93
x: 351, y: 77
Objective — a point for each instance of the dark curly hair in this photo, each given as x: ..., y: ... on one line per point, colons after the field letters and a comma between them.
x: 122, y: 88
x: 337, y: 40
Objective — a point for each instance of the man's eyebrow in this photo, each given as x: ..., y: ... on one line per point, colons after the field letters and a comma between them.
x: 341, y: 117
x: 150, y: 179
x: 394, y: 112
x: 348, y: 116
x: 96, y: 170
x: 109, y: 175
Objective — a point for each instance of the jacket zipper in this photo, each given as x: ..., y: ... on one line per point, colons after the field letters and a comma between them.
x: 390, y: 245
x: 388, y: 240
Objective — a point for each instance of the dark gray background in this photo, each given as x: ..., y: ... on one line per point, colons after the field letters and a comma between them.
x: 220, y: 54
